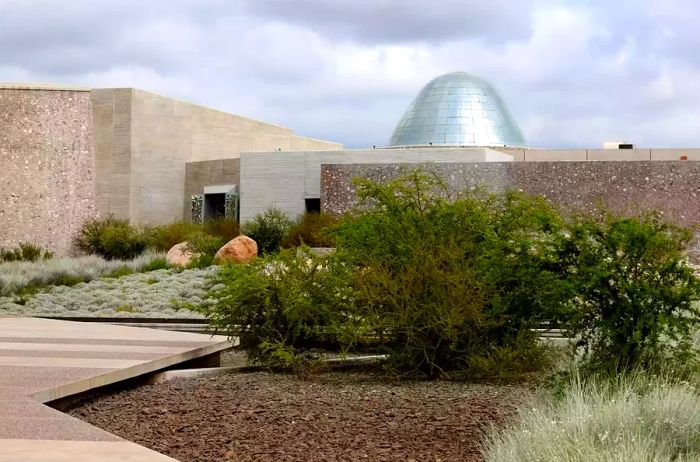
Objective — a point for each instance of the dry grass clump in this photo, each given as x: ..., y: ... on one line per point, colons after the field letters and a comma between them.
x: 15, y: 276
x: 635, y: 418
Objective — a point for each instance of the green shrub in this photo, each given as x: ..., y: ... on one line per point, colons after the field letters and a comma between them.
x: 205, y: 244
x: 24, y: 252
x: 635, y: 292
x: 226, y: 228
x: 155, y: 264
x: 268, y: 230
x: 281, y: 303
x: 89, y: 239
x: 69, y: 280
x: 120, y: 272
x: 457, y: 283
x: 163, y: 238
x: 203, y: 247
x: 111, y: 238
x: 122, y: 242
x: 312, y: 229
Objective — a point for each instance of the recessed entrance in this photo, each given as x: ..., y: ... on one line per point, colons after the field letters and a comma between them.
x: 313, y: 205
x: 214, y: 206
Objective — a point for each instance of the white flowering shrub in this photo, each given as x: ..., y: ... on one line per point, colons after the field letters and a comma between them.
x: 283, y: 304
x: 636, y: 419
x: 156, y: 294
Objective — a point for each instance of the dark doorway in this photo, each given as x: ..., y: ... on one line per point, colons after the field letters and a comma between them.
x: 214, y: 206
x: 313, y: 205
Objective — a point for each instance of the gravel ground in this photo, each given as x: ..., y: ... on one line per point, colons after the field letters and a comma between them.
x: 329, y: 417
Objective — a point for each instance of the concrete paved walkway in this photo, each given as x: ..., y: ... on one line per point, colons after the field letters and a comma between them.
x: 42, y: 360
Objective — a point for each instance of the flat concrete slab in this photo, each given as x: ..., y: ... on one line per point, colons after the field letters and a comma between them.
x: 43, y: 360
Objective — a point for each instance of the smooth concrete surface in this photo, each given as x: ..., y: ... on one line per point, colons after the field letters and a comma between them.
x: 552, y: 155
x: 619, y: 154
x: 143, y: 142
x: 675, y: 154
x: 43, y: 360
x: 73, y: 451
x: 549, y: 155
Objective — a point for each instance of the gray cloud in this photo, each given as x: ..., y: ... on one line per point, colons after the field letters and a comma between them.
x: 403, y: 21
x: 574, y: 72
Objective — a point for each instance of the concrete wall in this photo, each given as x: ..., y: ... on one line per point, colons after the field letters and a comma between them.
x: 156, y: 136
x: 285, y: 179
x: 302, y: 143
x: 199, y: 175
x: 112, y: 118
x: 47, y: 160
x: 675, y: 154
x: 625, y: 187
x: 551, y: 155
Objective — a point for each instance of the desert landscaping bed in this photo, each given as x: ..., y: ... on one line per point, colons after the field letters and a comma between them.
x: 155, y: 294
x: 331, y: 416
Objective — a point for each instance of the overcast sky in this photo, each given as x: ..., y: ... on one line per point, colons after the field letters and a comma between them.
x: 574, y: 72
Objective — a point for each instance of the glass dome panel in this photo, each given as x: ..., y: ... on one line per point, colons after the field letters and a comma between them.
x: 457, y: 109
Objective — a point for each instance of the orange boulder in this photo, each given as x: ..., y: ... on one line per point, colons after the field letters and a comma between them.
x: 238, y: 249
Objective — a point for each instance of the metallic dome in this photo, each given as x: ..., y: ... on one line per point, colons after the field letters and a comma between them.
x: 457, y: 109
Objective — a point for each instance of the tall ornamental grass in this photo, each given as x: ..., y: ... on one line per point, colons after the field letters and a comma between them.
x: 633, y: 418
x: 15, y: 276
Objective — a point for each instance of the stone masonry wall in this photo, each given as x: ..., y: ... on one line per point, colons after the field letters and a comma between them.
x: 625, y: 187
x: 47, y: 165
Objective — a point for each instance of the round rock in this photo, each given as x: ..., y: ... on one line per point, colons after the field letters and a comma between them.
x: 239, y: 249
x: 179, y: 255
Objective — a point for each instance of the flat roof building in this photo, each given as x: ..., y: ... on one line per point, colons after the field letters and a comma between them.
x: 69, y: 154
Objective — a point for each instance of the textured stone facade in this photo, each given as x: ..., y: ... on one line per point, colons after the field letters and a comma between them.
x: 47, y: 160
x: 625, y: 187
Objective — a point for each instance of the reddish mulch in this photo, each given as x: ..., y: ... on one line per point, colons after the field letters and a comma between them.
x: 330, y: 417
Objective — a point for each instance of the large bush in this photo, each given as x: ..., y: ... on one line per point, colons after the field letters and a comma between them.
x: 111, y: 238
x: 122, y: 242
x: 268, y: 229
x: 635, y: 293
x: 457, y: 284
x: 280, y: 303
x: 312, y: 229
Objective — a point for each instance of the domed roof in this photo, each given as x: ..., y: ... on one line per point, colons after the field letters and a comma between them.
x: 457, y: 109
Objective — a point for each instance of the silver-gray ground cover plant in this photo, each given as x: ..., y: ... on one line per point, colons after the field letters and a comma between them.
x: 155, y: 294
